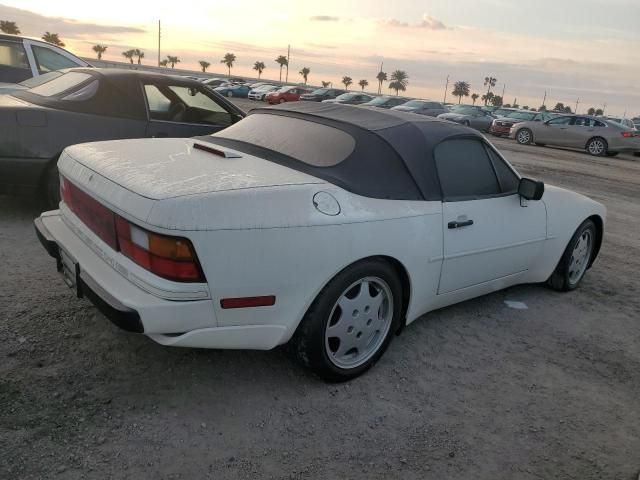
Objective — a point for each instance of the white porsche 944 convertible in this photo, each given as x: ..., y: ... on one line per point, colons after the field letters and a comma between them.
x: 323, y: 226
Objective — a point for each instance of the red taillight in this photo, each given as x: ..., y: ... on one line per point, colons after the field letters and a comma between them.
x: 168, y: 257
x: 629, y: 134
x: 92, y: 213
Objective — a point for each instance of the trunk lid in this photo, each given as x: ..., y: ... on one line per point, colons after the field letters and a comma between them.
x: 160, y: 169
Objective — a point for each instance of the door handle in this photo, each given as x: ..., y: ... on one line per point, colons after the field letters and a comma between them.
x: 456, y: 224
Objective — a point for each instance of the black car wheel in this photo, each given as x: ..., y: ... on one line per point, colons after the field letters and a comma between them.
x: 351, y: 322
x: 576, y: 259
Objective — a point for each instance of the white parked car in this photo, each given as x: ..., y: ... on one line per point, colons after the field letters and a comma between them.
x: 321, y: 225
x: 23, y: 58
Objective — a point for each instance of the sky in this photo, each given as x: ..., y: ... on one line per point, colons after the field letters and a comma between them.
x: 586, y: 50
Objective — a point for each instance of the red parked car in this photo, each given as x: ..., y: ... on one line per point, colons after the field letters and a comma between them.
x: 286, y: 94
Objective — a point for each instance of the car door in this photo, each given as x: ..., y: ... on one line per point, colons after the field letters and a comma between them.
x: 490, y: 233
x: 183, y: 111
x: 580, y: 130
x: 553, y: 132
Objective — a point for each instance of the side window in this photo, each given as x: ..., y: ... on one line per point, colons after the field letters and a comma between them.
x: 598, y: 123
x: 14, y: 66
x: 465, y: 170
x: 158, y: 103
x: 560, y: 121
x: 49, y: 60
x: 582, y: 122
x: 183, y: 104
x: 508, y: 180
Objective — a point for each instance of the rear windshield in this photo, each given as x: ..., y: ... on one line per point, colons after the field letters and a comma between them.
x: 60, y: 84
x: 308, y: 142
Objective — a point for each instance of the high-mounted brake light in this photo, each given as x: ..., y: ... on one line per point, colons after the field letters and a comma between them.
x: 169, y: 257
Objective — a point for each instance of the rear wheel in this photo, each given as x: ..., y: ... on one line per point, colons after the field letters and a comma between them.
x: 229, y: 94
x: 282, y: 100
x: 597, y: 147
x: 351, y: 322
x: 524, y: 136
x: 575, y: 260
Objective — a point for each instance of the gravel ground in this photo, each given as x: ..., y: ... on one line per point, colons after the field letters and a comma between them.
x: 473, y: 391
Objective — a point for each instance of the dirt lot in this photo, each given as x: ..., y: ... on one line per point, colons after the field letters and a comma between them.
x: 474, y: 391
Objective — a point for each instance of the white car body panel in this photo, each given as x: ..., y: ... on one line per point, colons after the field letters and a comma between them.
x: 250, y: 242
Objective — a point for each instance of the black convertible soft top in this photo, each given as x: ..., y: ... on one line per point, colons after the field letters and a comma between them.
x: 393, y: 154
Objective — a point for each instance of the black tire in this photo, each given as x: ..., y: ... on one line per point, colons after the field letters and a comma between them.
x: 559, y: 279
x: 524, y: 136
x: 612, y: 154
x: 597, y: 147
x: 51, y: 187
x: 308, y: 343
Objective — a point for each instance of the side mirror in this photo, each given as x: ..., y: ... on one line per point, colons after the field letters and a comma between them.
x: 530, y: 189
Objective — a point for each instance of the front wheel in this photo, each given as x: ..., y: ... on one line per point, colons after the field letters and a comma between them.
x: 597, y: 147
x: 351, y: 322
x: 575, y: 260
x: 524, y: 136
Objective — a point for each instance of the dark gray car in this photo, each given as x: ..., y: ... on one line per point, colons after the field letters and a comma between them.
x: 422, y: 107
x: 88, y: 104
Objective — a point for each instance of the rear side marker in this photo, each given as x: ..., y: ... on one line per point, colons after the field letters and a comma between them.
x: 248, y: 302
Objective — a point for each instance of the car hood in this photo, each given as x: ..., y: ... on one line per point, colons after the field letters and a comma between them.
x: 159, y: 169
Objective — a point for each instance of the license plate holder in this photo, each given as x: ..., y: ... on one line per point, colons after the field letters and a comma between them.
x: 70, y: 270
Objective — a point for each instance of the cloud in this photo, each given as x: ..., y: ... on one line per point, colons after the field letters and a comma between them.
x: 35, y: 24
x: 324, y: 18
x: 428, y: 22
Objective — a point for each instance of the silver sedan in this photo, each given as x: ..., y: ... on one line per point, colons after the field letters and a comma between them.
x: 470, y: 116
x: 596, y: 135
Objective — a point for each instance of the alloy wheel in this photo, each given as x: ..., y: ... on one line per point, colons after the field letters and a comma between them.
x: 359, y: 322
x: 580, y: 257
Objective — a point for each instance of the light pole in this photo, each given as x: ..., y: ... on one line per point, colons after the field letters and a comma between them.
x: 158, y: 42
x: 446, y: 87
x: 544, y: 100
x: 577, y: 103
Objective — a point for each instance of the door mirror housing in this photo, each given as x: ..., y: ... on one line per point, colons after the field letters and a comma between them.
x: 530, y: 189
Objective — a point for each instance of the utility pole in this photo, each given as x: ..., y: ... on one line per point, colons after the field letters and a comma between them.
x: 446, y: 87
x: 158, y: 42
x: 379, y: 82
x: 604, y: 108
x: 544, y: 99
x: 504, y: 87
x: 288, y: 56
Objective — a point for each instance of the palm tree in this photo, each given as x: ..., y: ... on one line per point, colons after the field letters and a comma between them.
x: 259, y: 67
x: 381, y: 77
x: 399, y: 81
x: 163, y: 63
x: 99, y: 49
x: 490, y: 82
x: 9, y: 27
x: 172, y: 60
x: 475, y: 97
x: 129, y: 55
x: 347, y: 81
x: 228, y: 60
x: 140, y: 54
x: 305, y: 73
x: 325, y: 84
x: 486, y: 98
x: 204, y: 65
x: 363, y: 83
x: 461, y: 89
x: 282, y: 61
x: 53, y: 38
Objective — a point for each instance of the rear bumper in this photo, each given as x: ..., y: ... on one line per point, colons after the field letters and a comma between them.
x: 122, y: 316
x: 189, y: 323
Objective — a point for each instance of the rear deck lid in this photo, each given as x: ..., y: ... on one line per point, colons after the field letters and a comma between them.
x: 160, y: 169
